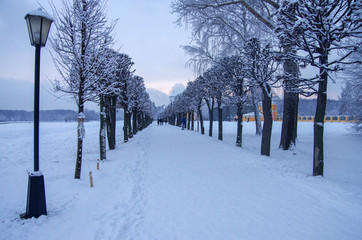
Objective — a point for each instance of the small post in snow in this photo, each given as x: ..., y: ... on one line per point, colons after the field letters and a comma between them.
x: 91, y: 179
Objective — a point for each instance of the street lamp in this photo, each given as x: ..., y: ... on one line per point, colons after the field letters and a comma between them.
x: 38, y: 23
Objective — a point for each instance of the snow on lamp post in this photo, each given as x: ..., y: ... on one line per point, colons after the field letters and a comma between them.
x: 38, y: 23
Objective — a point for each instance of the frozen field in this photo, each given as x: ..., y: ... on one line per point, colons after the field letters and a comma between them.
x: 171, y: 184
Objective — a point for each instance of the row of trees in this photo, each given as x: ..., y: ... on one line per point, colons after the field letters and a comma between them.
x: 264, y: 33
x: 237, y: 80
x: 90, y: 70
x: 351, y: 96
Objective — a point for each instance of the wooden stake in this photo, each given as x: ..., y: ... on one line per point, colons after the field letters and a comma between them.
x: 97, y: 164
x: 91, y: 179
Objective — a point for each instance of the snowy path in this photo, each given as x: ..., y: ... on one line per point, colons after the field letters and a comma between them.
x: 171, y: 184
x: 215, y: 191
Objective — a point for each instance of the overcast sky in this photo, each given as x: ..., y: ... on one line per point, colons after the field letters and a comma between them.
x: 145, y: 31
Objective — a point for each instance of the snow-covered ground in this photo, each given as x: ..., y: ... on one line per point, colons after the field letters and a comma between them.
x: 166, y: 183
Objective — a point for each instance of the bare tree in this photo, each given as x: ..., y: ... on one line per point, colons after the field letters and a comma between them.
x: 237, y: 91
x: 351, y: 93
x: 227, y: 25
x: 321, y: 28
x: 81, y: 37
x: 196, y: 90
x: 263, y: 66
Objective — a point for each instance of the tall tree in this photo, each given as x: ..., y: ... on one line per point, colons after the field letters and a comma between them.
x: 106, y: 85
x: 237, y: 92
x: 321, y: 28
x: 209, y: 100
x: 228, y: 24
x: 219, y: 29
x: 198, y: 93
x: 263, y: 66
x: 351, y: 96
x: 121, y: 64
x: 123, y: 74
x: 216, y: 82
x: 82, y: 35
x: 286, y: 16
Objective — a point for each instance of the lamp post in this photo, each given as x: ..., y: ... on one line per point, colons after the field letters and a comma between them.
x: 38, y: 23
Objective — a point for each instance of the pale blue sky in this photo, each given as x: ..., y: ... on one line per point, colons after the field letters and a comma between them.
x: 145, y: 31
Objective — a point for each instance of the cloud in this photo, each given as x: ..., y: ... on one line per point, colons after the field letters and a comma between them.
x: 177, y: 89
x: 158, y: 97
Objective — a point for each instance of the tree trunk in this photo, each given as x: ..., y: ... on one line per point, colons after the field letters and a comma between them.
x: 134, y: 121
x: 141, y: 121
x: 239, y: 139
x: 211, y: 115
x: 179, y: 117
x: 125, y: 124
x: 130, y: 133
x: 219, y: 112
x: 80, y: 136
x: 102, y: 130
x: 192, y: 121
x: 296, y: 118
x: 291, y: 100
x: 81, y: 116
x: 111, y: 121
x: 201, y: 121
x: 114, y: 120
x: 290, y: 117
x: 318, y: 149
x: 258, y: 129
x: 268, y: 122
x: 188, y: 120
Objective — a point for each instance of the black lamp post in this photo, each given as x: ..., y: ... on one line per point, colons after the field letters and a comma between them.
x: 38, y: 23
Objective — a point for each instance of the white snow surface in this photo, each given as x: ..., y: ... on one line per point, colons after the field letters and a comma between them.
x: 166, y: 183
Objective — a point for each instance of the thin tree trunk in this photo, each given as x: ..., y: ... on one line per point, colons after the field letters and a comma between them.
x: 201, y: 121
x: 134, y: 121
x: 239, y: 138
x: 219, y: 111
x: 111, y: 121
x: 188, y: 120
x: 318, y: 148
x: 211, y: 115
x: 296, y: 118
x: 102, y: 130
x: 192, y: 121
x: 179, y: 117
x: 125, y: 124
x: 268, y: 122
x: 130, y: 133
x: 141, y: 121
x: 114, y: 120
x: 258, y: 129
